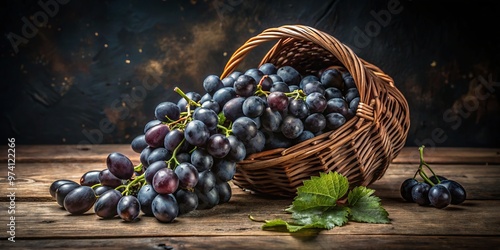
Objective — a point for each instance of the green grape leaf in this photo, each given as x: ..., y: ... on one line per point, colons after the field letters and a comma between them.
x: 320, y: 192
x: 365, y: 207
x: 284, y: 226
x: 335, y: 216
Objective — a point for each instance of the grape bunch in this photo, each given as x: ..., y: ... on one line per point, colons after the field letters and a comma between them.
x: 436, y: 190
x: 189, y: 151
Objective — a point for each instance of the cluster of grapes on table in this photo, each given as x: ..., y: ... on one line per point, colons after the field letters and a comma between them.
x: 434, y: 190
x: 189, y: 152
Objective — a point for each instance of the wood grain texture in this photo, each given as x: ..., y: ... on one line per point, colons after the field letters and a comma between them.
x: 41, y: 223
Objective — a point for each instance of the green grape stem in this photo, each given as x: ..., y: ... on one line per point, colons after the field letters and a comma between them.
x: 138, y: 180
x: 189, y: 100
x: 420, y: 171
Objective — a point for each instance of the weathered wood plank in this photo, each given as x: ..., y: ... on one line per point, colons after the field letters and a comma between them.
x: 46, y: 219
x: 284, y: 242
x: 99, y: 152
x: 481, y: 181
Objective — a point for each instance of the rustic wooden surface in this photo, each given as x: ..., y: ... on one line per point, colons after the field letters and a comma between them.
x: 41, y: 224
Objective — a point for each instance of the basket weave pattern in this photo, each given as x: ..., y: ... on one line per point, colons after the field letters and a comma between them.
x: 361, y: 149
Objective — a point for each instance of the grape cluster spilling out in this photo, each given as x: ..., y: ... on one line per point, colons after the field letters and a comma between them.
x: 436, y: 190
x: 189, y: 152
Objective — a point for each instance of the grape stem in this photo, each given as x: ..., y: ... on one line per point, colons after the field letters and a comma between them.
x: 420, y: 170
x: 189, y: 100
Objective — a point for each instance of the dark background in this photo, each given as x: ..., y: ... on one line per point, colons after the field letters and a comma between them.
x: 94, y: 71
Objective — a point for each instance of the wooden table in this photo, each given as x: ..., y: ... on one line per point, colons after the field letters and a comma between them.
x: 41, y: 223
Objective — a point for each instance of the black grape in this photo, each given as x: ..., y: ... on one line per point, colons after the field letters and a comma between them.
x: 139, y: 143
x: 420, y: 193
x: 439, y: 196
x: 146, y: 196
x: 90, y: 178
x: 187, y: 174
x: 165, y: 181
x: 212, y: 83
x: 120, y: 165
x: 165, y: 208
x: 245, y: 85
x: 128, y: 208
x: 201, y: 159
x: 186, y: 200
x: 167, y: 112
x: 196, y: 133
x: 406, y: 187
x: 79, y: 200
x: 105, y: 206
x: 63, y: 190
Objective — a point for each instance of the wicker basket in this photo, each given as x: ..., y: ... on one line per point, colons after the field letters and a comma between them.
x: 361, y: 149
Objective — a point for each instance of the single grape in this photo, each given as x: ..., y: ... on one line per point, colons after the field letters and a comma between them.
x: 353, y: 105
x: 139, y: 143
x: 108, y: 179
x: 333, y: 92
x: 79, y: 200
x: 218, y: 145
x: 406, y: 187
x: 120, y: 165
x: 315, y: 122
x: 245, y: 85
x: 155, y: 136
x: 207, y: 116
x: 128, y: 208
x: 439, y: 196
x: 186, y: 200
x: 224, y: 191
x: 105, y: 205
x: 211, y: 104
x: 187, y: 174
x: 212, y: 83
x: 277, y: 140
x: 165, y: 181
x: 335, y: 120
x: 223, y: 95
x: 159, y: 154
x: 165, y: 208
x: 201, y: 159
x: 101, y: 190
x: 56, y: 184
x: 183, y: 157
x: 268, y: 69
x: 253, y: 106
x: 457, y: 191
x: 244, y: 128
x: 312, y: 87
x: 420, y: 193
x: 173, y: 139
x: 228, y: 81
x: 146, y: 196
x: 277, y: 101
x: 90, y: 178
x: 332, y: 78
x: 337, y: 105
x: 235, y: 74
x: 233, y: 109
x: 196, y: 133
x: 289, y: 75
x: 224, y: 170
x: 298, y: 108
x: 205, y: 97
x: 63, y: 190
x: 292, y: 127
x: 307, y: 79
x: 167, y: 112
x: 280, y: 87
x: 316, y: 102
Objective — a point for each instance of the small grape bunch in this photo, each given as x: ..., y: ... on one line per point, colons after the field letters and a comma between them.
x: 436, y: 190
